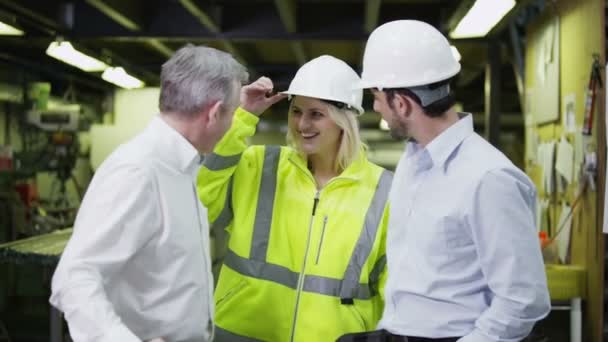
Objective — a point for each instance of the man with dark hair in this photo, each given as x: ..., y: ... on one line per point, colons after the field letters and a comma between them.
x: 137, y: 266
x: 464, y: 262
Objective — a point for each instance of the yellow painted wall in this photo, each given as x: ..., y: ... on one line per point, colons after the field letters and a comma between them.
x: 581, y: 35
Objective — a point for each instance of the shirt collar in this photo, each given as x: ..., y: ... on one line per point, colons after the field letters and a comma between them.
x: 175, y: 148
x: 442, y: 147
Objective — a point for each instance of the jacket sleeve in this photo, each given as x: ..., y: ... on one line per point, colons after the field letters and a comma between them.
x: 502, y: 225
x: 215, y: 177
x: 378, y: 273
x: 121, y: 202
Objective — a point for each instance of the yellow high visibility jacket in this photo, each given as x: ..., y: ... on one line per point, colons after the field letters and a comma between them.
x: 301, y: 264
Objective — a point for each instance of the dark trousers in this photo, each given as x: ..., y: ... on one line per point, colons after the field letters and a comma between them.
x: 385, y: 336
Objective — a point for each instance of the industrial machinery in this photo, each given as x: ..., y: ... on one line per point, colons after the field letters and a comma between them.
x: 49, y: 144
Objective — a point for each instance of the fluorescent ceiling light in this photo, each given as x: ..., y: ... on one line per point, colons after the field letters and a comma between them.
x: 8, y: 30
x: 119, y: 77
x: 455, y: 53
x: 65, y: 52
x: 481, y: 18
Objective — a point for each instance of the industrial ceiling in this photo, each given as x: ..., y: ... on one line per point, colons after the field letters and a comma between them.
x: 271, y: 37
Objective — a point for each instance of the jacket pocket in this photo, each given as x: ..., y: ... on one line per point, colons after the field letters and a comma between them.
x: 238, y: 287
x: 321, y: 239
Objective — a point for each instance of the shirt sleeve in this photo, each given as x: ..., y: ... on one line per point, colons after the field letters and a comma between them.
x: 119, y: 215
x: 503, y: 228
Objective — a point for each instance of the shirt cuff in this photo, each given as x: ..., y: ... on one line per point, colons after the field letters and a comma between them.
x: 121, y: 333
x: 476, y: 336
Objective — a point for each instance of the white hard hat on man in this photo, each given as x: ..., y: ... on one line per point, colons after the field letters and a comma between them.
x: 408, y: 54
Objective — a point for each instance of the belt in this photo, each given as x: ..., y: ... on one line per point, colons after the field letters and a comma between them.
x: 385, y: 336
x: 399, y: 338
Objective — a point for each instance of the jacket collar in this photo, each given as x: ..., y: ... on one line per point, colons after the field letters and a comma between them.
x: 353, y: 171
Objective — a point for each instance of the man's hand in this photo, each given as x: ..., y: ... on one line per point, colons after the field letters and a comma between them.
x: 256, y: 98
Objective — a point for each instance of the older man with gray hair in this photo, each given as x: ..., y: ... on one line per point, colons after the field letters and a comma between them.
x: 137, y: 267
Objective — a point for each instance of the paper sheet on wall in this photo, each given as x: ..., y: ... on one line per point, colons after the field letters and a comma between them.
x: 532, y: 140
x: 565, y: 160
x: 545, y: 105
x: 569, y: 113
x: 540, y: 155
x: 542, y: 205
x: 563, y: 239
x: 546, y: 152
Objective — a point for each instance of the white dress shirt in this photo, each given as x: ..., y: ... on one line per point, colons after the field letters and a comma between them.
x: 137, y: 266
x: 462, y: 251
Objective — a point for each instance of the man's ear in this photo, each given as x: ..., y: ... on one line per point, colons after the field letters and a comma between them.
x: 402, y: 105
x: 213, y: 113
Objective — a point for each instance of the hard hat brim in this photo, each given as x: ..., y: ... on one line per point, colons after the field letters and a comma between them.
x: 367, y: 84
x: 358, y: 109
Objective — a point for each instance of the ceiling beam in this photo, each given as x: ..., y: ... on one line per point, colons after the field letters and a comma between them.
x: 372, y: 14
x: 298, y: 50
x: 116, y: 11
x: 111, y: 9
x: 201, y: 15
x: 212, y: 26
x: 287, y: 13
x: 40, y: 21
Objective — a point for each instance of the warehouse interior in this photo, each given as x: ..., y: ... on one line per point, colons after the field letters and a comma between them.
x: 528, y: 81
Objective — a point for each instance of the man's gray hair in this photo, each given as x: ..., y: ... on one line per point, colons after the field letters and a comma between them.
x: 196, y: 76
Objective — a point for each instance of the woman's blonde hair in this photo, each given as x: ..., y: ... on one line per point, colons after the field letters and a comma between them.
x: 350, y: 142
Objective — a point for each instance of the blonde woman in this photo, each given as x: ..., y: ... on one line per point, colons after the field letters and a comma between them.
x: 307, y: 223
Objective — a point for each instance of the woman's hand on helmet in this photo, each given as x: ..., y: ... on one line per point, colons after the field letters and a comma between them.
x: 258, y: 96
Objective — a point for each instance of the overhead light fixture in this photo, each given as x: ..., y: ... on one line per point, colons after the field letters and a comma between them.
x: 481, y: 18
x: 8, y: 30
x: 455, y: 53
x: 65, y: 52
x: 119, y: 77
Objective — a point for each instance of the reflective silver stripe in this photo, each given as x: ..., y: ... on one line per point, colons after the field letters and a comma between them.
x: 222, y: 335
x: 374, y: 275
x: 284, y: 276
x: 261, y: 270
x: 331, y: 287
x: 263, y: 214
x: 215, y: 162
x: 226, y: 215
x: 256, y: 266
x: 368, y: 236
x: 219, y: 234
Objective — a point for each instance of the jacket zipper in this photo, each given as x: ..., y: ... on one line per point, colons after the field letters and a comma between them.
x: 303, y: 271
x: 321, y: 240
